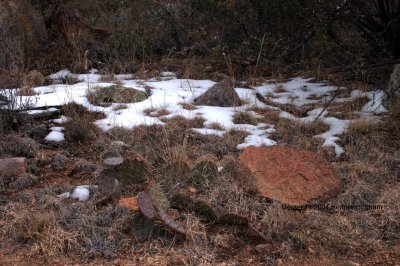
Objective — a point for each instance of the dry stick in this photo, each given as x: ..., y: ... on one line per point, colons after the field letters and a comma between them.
x: 330, y: 101
x: 259, y: 55
x: 252, y: 227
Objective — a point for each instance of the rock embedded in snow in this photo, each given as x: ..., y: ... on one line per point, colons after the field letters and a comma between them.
x: 290, y: 175
x: 220, y: 94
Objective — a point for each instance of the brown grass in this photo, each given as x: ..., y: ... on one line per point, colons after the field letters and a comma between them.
x: 188, y: 106
x: 153, y: 112
x: 279, y: 89
x: 81, y: 128
x: 26, y: 91
x: 244, y: 118
x: 216, y: 126
x: 299, y: 134
x: 345, y: 110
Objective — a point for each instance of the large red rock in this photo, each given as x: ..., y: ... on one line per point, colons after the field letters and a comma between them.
x: 290, y: 175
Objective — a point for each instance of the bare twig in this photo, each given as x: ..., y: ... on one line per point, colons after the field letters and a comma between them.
x: 329, y: 102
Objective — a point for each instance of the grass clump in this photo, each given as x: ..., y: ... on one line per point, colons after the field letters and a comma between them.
x: 18, y: 146
x: 81, y: 128
x: 300, y: 134
x: 244, y: 118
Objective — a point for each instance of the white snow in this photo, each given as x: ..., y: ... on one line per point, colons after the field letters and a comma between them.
x: 168, y: 92
x: 59, y: 129
x: 168, y: 74
x: 63, y: 119
x: 81, y: 193
x: 55, y: 136
x: 65, y: 195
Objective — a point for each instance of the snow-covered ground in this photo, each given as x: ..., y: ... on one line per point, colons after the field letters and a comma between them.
x: 169, y: 93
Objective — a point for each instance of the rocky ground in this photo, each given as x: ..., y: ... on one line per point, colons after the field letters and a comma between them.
x: 122, y: 171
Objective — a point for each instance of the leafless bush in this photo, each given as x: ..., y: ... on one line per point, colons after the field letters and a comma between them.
x: 12, y: 107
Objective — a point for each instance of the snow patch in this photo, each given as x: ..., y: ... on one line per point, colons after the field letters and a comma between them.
x: 55, y: 136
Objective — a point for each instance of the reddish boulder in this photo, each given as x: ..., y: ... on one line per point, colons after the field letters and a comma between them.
x: 290, y: 175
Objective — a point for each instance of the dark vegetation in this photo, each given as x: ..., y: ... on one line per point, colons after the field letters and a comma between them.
x: 244, y: 39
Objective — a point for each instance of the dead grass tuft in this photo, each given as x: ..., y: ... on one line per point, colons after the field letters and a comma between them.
x: 26, y: 91
x: 300, y: 134
x: 345, y: 110
x: 279, y: 89
x: 200, y: 145
x: 216, y: 126
x: 188, y: 106
x: 17, y: 146
x: 156, y: 112
x: 244, y: 118
x: 81, y: 128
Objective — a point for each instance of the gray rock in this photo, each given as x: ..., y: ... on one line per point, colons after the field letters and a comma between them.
x: 221, y: 94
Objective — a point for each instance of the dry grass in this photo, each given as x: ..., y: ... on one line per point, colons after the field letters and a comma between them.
x: 346, y: 109
x: 188, y: 106
x: 153, y: 112
x: 279, y: 89
x: 369, y: 172
x: 244, y: 118
x: 300, y: 134
x: 81, y: 128
x: 26, y: 91
x: 40, y: 230
x: 216, y: 126
x: 315, y: 97
x: 12, y: 145
x: 108, y: 78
